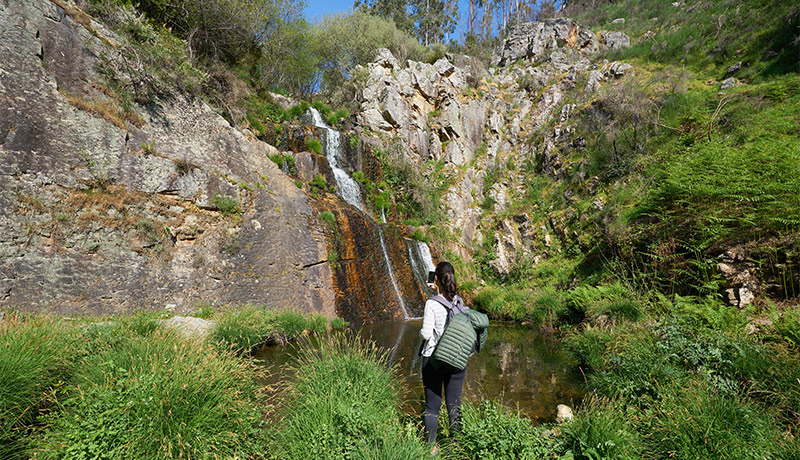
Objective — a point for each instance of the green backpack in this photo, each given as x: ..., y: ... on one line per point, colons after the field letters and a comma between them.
x: 464, y: 333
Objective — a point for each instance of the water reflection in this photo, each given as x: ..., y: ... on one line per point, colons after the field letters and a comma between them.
x: 523, y: 367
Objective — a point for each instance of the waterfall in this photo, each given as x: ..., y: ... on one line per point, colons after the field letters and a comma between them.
x: 345, y: 185
x: 421, y: 261
x: 390, y: 269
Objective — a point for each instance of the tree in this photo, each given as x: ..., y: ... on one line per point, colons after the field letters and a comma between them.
x: 428, y: 20
x: 342, y: 41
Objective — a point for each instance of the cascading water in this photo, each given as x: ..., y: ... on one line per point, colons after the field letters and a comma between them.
x: 390, y: 269
x: 421, y: 261
x: 346, y: 186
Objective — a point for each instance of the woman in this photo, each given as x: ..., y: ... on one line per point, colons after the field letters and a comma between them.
x: 434, y: 379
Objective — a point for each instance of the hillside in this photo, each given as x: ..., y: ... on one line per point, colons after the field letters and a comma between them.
x: 624, y: 173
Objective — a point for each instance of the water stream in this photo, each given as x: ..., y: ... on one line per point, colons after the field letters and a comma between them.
x: 390, y: 269
x: 523, y: 367
x: 346, y: 187
x: 421, y: 261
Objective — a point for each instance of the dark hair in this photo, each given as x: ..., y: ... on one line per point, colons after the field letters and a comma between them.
x: 446, y: 274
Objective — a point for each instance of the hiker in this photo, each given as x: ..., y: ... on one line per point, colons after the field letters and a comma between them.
x: 439, y: 312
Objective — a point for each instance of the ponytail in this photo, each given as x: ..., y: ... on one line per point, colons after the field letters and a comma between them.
x: 446, y: 274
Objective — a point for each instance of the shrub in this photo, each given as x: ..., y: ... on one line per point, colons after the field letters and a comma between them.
x: 328, y: 218
x: 420, y: 235
x: 34, y: 360
x: 318, y: 182
x: 788, y: 326
x: 227, y: 205
x: 591, y: 345
x: 342, y: 402
x: 613, y: 299
x: 314, y: 146
x: 155, y: 397
x: 491, y: 431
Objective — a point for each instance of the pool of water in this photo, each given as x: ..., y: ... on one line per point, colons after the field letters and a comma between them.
x: 523, y: 367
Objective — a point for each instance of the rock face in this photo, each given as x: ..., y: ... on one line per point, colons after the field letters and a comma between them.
x: 474, y: 120
x: 535, y: 40
x: 102, y: 215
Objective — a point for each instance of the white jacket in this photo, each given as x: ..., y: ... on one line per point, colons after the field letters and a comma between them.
x: 433, y: 322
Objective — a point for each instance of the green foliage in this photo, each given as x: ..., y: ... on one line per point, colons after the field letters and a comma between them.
x: 602, y: 430
x: 788, y: 326
x: 541, y: 307
x: 342, y: 403
x: 342, y: 41
x: 227, y: 205
x: 328, y: 218
x: 706, y: 35
x: 318, y: 182
x: 420, y: 235
x: 729, y: 426
x: 153, y: 396
x: 34, y: 361
x: 492, y: 431
x: 613, y: 300
x: 314, y: 146
x: 245, y: 328
x: 339, y: 323
x: 285, y: 161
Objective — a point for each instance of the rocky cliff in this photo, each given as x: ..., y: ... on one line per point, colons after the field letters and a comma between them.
x: 475, y: 119
x: 101, y: 214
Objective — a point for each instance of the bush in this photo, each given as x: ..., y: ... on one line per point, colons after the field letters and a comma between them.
x: 491, y: 431
x: 341, y: 403
x: 328, y: 218
x: 314, y: 146
x: 227, y: 205
x: 34, y: 360
x: 156, y: 397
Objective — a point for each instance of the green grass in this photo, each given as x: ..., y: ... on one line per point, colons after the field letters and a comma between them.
x: 603, y: 430
x: 35, y: 360
x: 245, y: 328
x: 227, y: 205
x: 314, y: 146
x: 155, y: 396
x: 492, y: 431
x: 343, y: 403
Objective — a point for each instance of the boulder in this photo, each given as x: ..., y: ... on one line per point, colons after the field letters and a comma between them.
x: 728, y: 83
x: 614, y: 40
x: 190, y: 327
x: 564, y: 414
x: 385, y: 58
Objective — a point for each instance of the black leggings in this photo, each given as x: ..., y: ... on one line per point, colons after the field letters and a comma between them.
x: 433, y: 379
